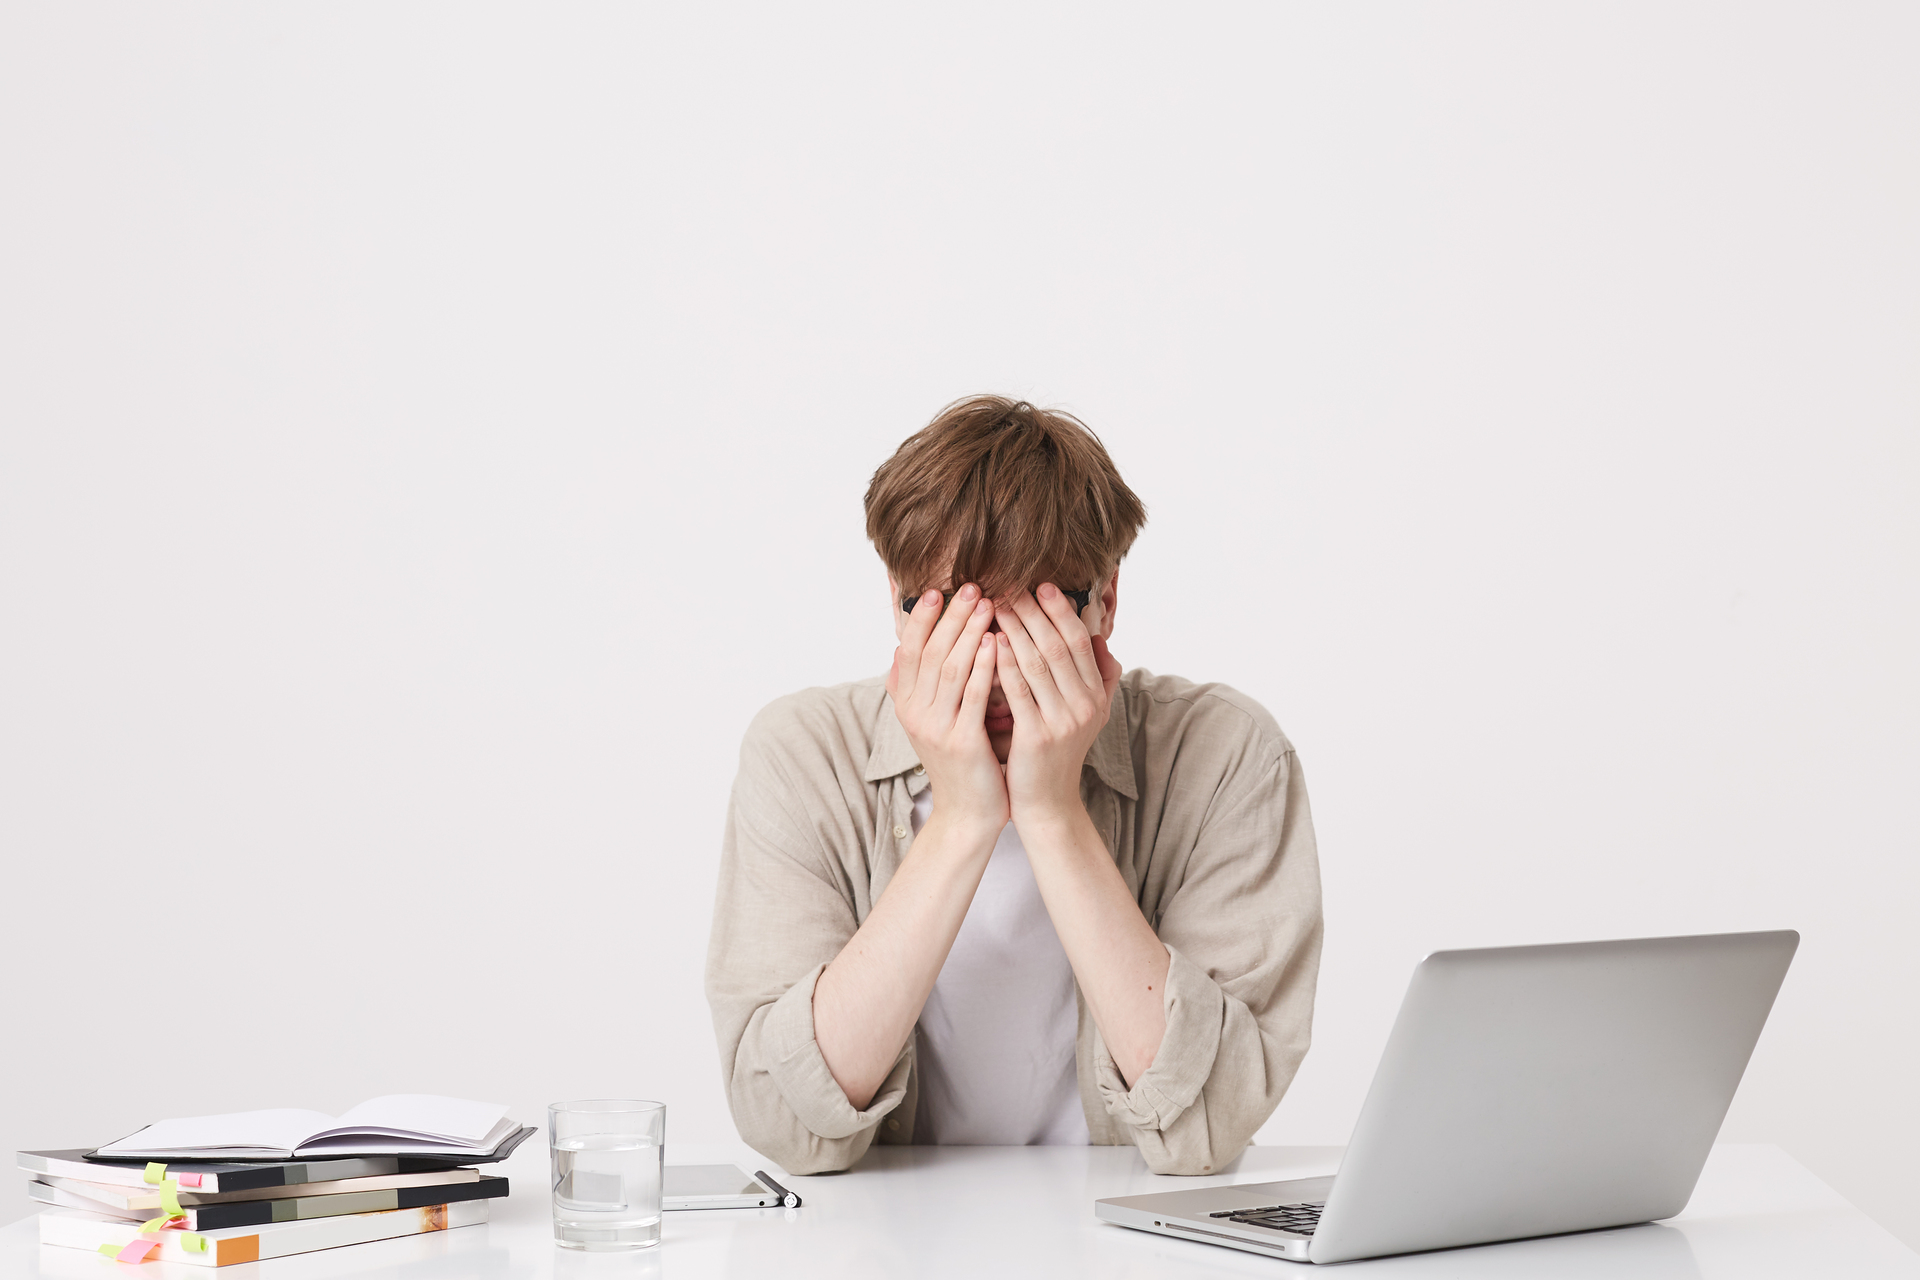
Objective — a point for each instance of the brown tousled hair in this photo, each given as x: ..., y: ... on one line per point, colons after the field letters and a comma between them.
x: 1011, y: 496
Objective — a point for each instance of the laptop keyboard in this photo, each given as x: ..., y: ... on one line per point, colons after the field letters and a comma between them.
x: 1300, y: 1219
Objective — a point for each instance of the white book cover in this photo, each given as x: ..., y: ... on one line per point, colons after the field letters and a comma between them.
x: 78, y: 1229
x: 421, y: 1124
x: 62, y: 1198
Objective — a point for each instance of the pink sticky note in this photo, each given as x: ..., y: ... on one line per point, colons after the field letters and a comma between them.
x: 137, y: 1251
x: 188, y: 1179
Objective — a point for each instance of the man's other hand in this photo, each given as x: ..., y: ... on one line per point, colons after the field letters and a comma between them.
x: 1059, y: 680
x: 941, y: 679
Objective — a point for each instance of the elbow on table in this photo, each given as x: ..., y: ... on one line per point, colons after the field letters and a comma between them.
x: 780, y: 1132
x: 1183, y: 1161
x: 797, y: 1151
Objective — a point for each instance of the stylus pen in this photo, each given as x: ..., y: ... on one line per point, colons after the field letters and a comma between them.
x: 787, y: 1197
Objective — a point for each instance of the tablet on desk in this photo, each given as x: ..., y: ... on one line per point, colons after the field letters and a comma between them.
x: 713, y: 1186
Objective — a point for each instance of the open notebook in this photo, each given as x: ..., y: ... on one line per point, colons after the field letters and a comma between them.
x: 411, y: 1124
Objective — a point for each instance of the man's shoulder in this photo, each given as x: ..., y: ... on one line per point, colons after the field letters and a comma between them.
x: 1161, y: 707
x: 830, y: 722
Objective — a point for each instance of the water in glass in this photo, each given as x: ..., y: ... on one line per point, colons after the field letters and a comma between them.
x: 606, y: 1190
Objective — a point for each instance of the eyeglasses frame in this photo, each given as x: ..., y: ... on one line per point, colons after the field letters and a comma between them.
x: 1081, y: 599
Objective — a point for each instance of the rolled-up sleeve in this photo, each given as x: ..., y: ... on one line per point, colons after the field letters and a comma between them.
x: 781, y: 914
x: 1242, y: 933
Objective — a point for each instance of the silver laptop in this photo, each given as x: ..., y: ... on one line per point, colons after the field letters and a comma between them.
x: 1525, y: 1091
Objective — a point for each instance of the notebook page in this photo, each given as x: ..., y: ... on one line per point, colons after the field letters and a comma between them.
x: 280, y: 1130
x: 423, y: 1115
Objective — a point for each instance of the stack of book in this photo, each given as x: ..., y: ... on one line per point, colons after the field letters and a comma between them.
x: 216, y: 1190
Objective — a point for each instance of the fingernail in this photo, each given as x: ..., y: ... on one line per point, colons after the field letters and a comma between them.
x: 969, y: 591
x: 1048, y: 591
x: 932, y: 597
x: 982, y: 609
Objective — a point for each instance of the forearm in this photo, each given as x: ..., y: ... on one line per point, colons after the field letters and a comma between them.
x: 868, y: 999
x: 1120, y: 963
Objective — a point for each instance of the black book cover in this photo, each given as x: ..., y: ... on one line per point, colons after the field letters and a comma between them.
x: 252, y: 1213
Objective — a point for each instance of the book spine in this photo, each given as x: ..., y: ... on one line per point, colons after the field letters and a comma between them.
x: 480, y: 1189
x: 112, y: 1175
x: 77, y: 1232
x: 325, y: 1233
x: 103, y: 1196
x: 287, y: 1175
x: 254, y: 1177
x: 277, y: 1240
x: 251, y: 1213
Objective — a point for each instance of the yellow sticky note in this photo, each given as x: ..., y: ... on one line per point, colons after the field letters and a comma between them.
x: 193, y: 1243
x: 154, y: 1173
x: 108, y: 1249
x: 170, y: 1197
x: 157, y: 1224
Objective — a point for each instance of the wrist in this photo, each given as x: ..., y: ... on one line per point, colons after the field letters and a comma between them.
x: 965, y: 831
x: 1053, y: 816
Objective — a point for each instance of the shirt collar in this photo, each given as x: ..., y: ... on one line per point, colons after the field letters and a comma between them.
x: 1112, y: 753
x: 1111, y: 756
x: 892, y: 753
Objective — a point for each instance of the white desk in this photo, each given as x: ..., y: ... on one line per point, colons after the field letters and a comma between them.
x: 998, y: 1213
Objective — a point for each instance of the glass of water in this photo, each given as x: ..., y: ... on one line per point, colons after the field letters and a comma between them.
x: 606, y: 1173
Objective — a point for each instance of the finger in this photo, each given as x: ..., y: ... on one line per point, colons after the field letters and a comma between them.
x: 1013, y: 683
x: 1013, y: 625
x: 957, y: 670
x: 1061, y: 676
x: 913, y: 638
x: 973, y: 699
x: 939, y: 652
x: 893, y: 676
x: 1073, y: 633
x: 1109, y: 666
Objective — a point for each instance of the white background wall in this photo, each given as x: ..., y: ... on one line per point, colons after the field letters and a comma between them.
x: 431, y: 431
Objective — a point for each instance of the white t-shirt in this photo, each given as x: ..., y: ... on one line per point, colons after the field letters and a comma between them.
x: 997, y: 1033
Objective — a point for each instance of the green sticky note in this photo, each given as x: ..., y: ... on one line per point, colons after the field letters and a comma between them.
x: 170, y: 1197
x: 109, y: 1249
x: 193, y: 1243
x: 154, y: 1173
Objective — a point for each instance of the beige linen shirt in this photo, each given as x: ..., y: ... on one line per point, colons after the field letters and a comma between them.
x: 1199, y: 799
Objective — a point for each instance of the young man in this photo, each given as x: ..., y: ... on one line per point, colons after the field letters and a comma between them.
x: 1008, y: 894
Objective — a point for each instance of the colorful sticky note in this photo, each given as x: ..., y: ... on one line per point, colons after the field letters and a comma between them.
x: 188, y: 1179
x: 193, y: 1243
x: 170, y: 1198
x: 136, y: 1251
x: 154, y: 1173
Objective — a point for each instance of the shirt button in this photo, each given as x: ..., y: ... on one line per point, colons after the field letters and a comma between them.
x: 894, y: 1125
x: 899, y: 833
x: 919, y: 769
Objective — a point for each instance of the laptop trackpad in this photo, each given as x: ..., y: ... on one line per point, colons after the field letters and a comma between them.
x: 1297, y: 1191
